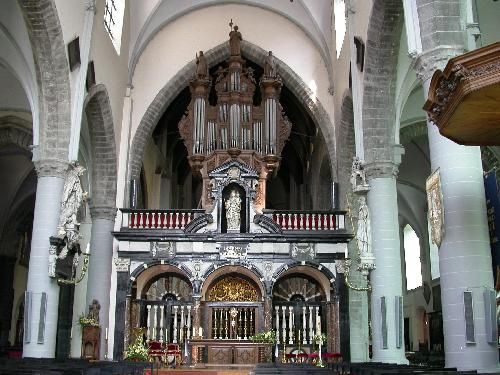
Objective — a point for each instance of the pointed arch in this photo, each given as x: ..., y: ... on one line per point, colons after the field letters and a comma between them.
x: 214, y: 56
x: 52, y: 75
x: 103, y: 147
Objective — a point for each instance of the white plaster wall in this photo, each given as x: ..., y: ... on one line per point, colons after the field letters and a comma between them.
x: 111, y: 67
x: 153, y: 180
x: 177, y: 43
x: 16, y: 55
x: 14, y: 97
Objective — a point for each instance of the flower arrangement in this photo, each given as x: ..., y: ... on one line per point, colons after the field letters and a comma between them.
x: 268, y: 337
x: 137, y: 350
x: 87, y: 322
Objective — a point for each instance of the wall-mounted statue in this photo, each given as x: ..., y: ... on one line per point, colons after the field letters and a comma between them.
x: 234, y: 40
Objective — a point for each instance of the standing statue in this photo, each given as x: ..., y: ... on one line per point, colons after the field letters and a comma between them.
x: 72, y: 198
x: 364, y: 232
x: 234, y: 40
x: 269, y: 66
x: 358, y: 175
x: 233, y: 209
x: 201, y: 66
x: 94, y: 309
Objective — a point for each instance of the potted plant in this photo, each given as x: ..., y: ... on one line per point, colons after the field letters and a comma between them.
x: 85, y: 321
x: 137, y: 351
x: 265, y: 351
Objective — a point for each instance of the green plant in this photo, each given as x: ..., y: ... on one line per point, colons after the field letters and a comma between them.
x: 87, y: 322
x: 267, y: 337
x: 137, y: 350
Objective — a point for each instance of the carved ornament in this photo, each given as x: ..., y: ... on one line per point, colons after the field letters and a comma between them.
x: 122, y: 264
x: 233, y: 289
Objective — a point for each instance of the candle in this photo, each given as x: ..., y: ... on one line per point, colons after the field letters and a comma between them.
x: 346, y: 254
x: 87, y: 250
x: 200, y: 332
x: 71, y: 333
x: 106, y: 333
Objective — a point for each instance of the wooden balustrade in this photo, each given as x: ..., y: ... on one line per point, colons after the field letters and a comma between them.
x: 158, y: 219
x: 308, y: 220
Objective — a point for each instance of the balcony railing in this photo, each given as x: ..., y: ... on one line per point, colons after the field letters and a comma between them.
x: 158, y: 219
x: 286, y: 220
x: 308, y: 220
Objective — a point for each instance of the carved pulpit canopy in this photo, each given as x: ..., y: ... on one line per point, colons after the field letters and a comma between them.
x: 234, y: 128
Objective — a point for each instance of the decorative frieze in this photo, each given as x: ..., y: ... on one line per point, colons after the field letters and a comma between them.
x: 163, y: 250
x: 122, y: 264
x: 302, y: 251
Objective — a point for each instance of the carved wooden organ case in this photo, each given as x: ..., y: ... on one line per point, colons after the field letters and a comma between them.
x: 235, y: 128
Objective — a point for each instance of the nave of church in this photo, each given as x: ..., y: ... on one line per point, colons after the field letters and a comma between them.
x: 238, y: 182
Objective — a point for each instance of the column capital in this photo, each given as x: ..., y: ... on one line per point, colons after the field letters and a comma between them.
x: 381, y: 169
x: 103, y: 212
x: 122, y: 264
x: 51, y: 167
x: 429, y: 61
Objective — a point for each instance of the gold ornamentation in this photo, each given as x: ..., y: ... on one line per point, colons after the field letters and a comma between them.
x: 232, y: 289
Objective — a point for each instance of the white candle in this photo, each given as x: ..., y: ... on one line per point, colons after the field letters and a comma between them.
x: 346, y: 254
x: 106, y: 333
x: 71, y: 333
x: 200, y: 331
x: 87, y: 250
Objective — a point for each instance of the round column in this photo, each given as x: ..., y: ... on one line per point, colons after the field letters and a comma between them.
x: 465, y: 253
x: 386, y: 279
x: 40, y: 340
x: 100, y: 263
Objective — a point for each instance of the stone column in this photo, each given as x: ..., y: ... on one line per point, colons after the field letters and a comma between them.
x: 464, y: 254
x: 41, y: 336
x: 386, y: 279
x: 7, y: 292
x: 100, y: 263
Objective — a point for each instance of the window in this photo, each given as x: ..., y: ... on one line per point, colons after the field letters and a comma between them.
x: 340, y: 24
x: 433, y: 255
x: 412, y: 258
x: 113, y: 21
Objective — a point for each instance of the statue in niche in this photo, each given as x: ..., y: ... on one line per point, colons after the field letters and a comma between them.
x: 269, y: 66
x: 233, y: 209
x: 201, y: 66
x: 363, y: 234
x: 234, y: 40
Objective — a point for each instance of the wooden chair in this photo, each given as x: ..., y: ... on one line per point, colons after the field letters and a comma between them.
x: 173, y: 355
x: 157, y: 351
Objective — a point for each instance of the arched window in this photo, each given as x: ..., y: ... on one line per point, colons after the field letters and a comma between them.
x: 340, y: 24
x: 412, y: 258
x: 113, y: 21
x: 433, y: 255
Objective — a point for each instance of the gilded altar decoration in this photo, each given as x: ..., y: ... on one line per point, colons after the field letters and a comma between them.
x: 233, y: 289
x: 435, y: 207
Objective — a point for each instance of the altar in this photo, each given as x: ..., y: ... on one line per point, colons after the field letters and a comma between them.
x: 228, y: 352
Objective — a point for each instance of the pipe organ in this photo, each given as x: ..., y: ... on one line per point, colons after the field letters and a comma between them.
x: 235, y: 127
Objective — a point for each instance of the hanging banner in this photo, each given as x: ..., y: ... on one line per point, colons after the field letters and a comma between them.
x: 493, y: 211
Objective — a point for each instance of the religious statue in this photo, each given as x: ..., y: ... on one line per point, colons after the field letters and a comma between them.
x: 234, y: 40
x: 94, y: 309
x: 269, y: 66
x: 201, y: 66
x: 72, y: 198
x: 358, y: 175
x: 67, y: 239
x: 363, y: 234
x: 233, y: 209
